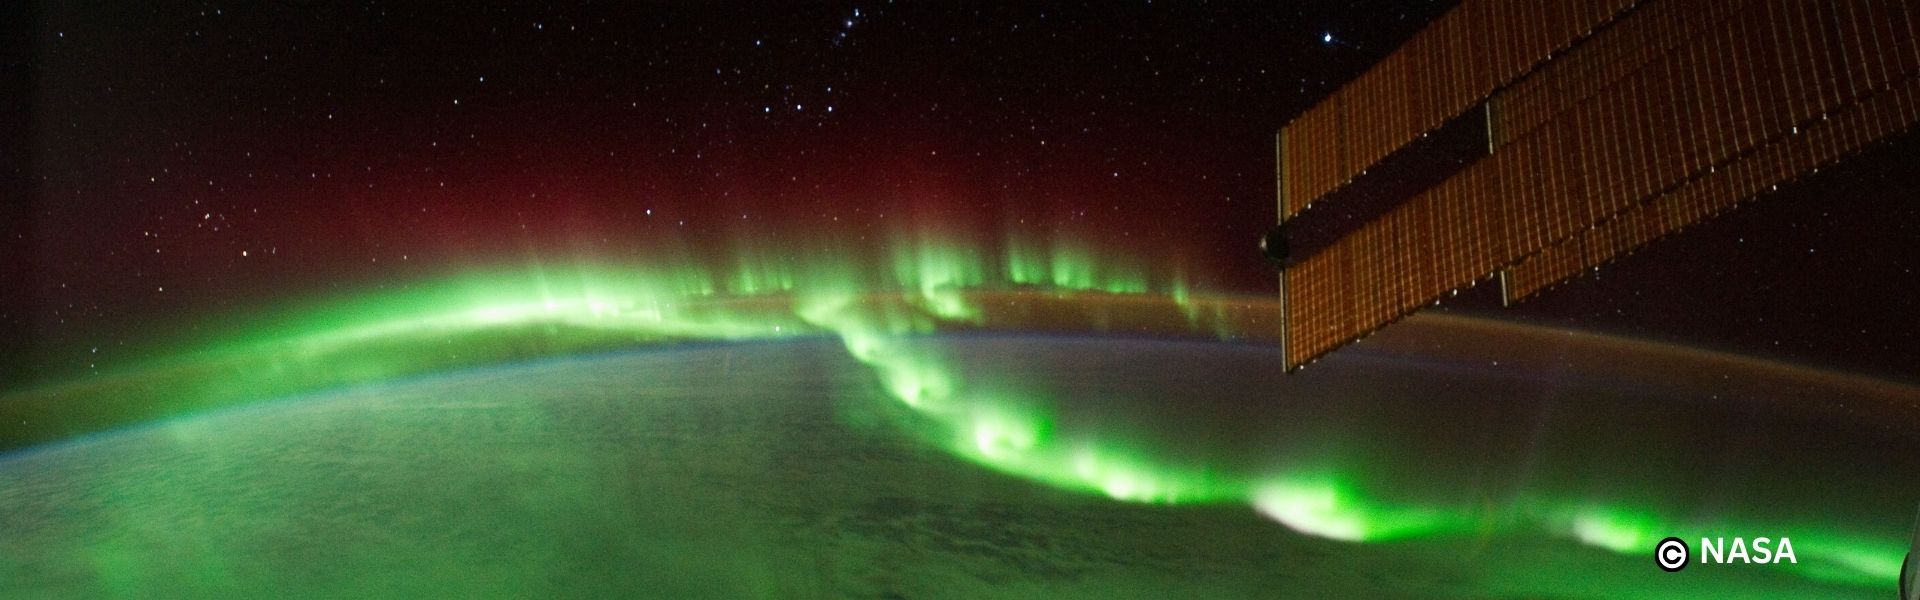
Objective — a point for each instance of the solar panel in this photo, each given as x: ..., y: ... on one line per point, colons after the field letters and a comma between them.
x: 1441, y: 72
x: 1610, y: 125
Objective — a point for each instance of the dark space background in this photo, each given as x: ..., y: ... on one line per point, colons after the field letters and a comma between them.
x: 170, y: 162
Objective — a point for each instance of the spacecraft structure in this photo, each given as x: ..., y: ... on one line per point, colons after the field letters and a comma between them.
x: 1593, y: 128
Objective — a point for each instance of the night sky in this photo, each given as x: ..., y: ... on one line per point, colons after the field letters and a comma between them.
x: 176, y: 162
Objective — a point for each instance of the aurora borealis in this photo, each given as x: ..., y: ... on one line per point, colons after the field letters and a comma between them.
x: 881, y: 312
x: 490, y: 317
x: 901, y: 300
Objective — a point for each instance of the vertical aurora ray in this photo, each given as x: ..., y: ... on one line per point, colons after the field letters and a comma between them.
x: 881, y: 313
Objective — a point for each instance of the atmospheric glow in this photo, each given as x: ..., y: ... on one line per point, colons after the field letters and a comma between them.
x: 1319, y: 511
x: 1321, y: 506
x: 875, y: 309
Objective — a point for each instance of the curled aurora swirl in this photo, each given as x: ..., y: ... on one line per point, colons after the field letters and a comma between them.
x: 874, y: 308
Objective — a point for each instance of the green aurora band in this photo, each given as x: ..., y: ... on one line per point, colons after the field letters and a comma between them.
x: 922, y: 286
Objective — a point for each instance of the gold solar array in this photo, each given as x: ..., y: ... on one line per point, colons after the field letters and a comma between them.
x: 1671, y: 112
x: 1449, y: 67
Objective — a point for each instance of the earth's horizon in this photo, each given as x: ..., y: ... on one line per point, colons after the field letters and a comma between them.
x: 1051, y: 465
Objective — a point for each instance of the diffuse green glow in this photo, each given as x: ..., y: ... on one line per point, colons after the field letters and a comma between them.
x: 1325, y: 506
x: 1022, y: 441
x: 873, y: 309
x: 1821, y: 553
x: 1017, y: 436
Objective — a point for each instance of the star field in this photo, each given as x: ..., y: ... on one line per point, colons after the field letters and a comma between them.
x: 191, y: 159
